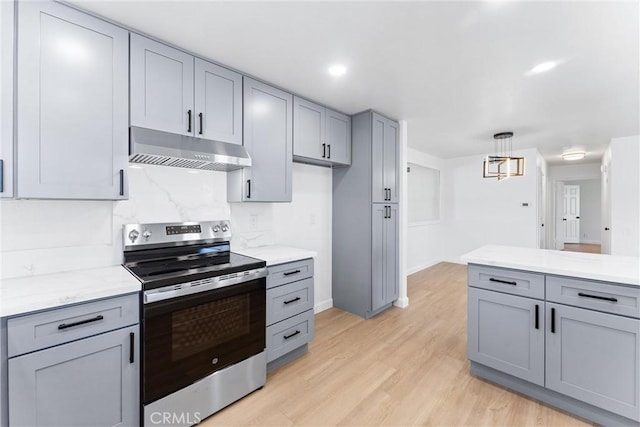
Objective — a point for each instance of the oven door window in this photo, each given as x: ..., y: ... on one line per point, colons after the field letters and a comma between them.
x: 188, y: 338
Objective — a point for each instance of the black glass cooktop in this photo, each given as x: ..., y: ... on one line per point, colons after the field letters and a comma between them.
x: 157, y: 268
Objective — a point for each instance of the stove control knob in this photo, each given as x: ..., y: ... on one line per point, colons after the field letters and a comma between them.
x: 225, y: 228
x: 133, y: 235
x: 146, y: 234
x: 216, y: 228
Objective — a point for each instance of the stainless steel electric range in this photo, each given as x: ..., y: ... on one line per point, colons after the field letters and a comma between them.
x: 203, y: 319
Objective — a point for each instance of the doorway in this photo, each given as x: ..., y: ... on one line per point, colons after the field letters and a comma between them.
x: 578, y: 213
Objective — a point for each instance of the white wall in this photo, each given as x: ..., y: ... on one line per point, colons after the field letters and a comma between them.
x: 625, y: 196
x: 424, y: 240
x: 590, y: 215
x: 46, y: 236
x: 480, y: 211
x: 304, y: 223
x: 574, y: 172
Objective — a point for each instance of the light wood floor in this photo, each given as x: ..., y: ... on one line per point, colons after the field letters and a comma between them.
x: 403, y: 367
x: 582, y: 247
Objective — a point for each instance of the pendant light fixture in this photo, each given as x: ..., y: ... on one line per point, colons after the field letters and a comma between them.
x: 502, y: 164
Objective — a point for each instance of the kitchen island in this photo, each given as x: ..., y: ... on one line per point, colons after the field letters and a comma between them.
x: 560, y: 327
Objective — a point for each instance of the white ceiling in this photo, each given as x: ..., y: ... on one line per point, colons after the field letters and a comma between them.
x: 453, y: 70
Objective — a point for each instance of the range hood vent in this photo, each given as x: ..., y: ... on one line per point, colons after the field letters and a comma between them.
x: 167, y: 149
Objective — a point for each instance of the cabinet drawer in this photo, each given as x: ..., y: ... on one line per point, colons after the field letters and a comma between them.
x: 288, y: 300
x: 601, y: 296
x: 289, y: 272
x: 36, y: 331
x: 505, y: 280
x: 289, y: 334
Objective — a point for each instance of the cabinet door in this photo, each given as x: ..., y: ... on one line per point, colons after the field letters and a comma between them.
x: 503, y: 333
x: 6, y: 100
x: 161, y: 87
x: 384, y: 160
x: 218, y: 102
x: 73, y: 106
x: 385, y: 255
x: 89, y: 382
x: 268, y: 132
x: 392, y: 254
x: 338, y: 139
x: 309, y: 130
x: 593, y: 357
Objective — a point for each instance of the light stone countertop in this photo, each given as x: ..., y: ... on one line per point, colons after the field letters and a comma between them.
x: 609, y: 268
x: 26, y: 294
x: 275, y: 254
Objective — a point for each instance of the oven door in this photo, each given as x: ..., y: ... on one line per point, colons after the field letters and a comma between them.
x: 189, y: 337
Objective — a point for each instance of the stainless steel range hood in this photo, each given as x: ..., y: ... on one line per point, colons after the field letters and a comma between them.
x: 168, y: 149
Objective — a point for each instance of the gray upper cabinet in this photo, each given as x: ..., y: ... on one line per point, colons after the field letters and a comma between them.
x: 72, y: 111
x: 6, y: 103
x: 175, y: 92
x: 268, y: 133
x: 385, y: 255
x: 506, y: 332
x: 161, y: 87
x: 593, y: 357
x: 218, y: 102
x: 321, y: 136
x: 385, y: 159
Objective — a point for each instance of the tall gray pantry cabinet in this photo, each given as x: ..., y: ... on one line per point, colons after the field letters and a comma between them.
x: 365, y: 219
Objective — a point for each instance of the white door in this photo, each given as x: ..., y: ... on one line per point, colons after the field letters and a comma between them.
x: 541, y: 210
x: 606, y: 207
x: 559, y: 215
x: 571, y: 216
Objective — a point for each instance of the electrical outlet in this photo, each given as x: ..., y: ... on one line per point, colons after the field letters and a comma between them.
x: 253, y: 219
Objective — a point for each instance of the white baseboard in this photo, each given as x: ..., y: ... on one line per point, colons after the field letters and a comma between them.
x: 323, y: 305
x: 454, y: 260
x: 402, y: 302
x: 422, y: 266
x: 591, y: 242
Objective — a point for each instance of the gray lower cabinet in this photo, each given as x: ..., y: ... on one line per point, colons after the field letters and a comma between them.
x: 290, y: 318
x: 575, y: 342
x: 385, y: 255
x: 76, y: 366
x: 594, y: 357
x: 365, y: 245
x: 7, y: 39
x: 268, y: 136
x: 506, y: 332
x: 72, y: 109
x: 321, y: 136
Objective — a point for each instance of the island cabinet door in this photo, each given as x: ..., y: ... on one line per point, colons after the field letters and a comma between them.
x: 594, y: 357
x: 506, y: 333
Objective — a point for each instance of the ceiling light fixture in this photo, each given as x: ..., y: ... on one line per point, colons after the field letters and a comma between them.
x: 573, y: 155
x: 337, y: 70
x: 542, y: 67
x: 502, y: 164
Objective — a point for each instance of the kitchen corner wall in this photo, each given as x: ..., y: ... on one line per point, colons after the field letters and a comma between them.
x: 48, y: 236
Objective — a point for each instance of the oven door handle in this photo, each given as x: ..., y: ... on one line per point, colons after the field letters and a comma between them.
x: 175, y: 291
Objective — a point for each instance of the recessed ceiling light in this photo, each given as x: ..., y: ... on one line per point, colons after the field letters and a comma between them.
x: 541, y: 68
x: 337, y: 70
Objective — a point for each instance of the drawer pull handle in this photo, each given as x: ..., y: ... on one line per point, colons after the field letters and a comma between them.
x: 537, y: 316
x: 553, y: 320
x: 289, y: 273
x: 580, y: 294
x: 81, y: 322
x: 286, y: 337
x: 292, y: 300
x: 131, y: 346
x: 507, y: 282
